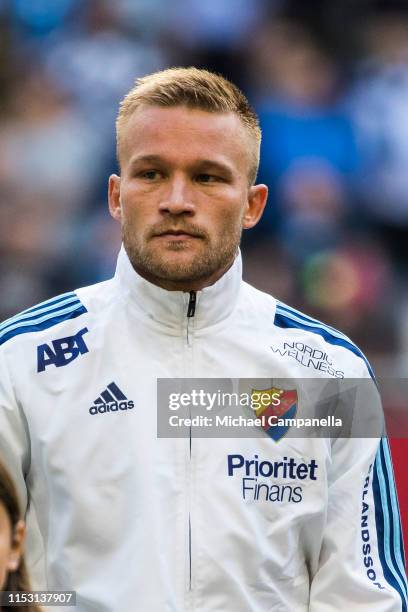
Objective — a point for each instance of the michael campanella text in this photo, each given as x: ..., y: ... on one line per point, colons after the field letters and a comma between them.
x: 262, y: 421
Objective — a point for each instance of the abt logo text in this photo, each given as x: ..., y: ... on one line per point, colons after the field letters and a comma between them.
x: 62, y: 351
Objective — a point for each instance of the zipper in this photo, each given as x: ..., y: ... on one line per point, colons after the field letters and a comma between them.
x: 189, y: 518
x: 189, y: 547
x: 192, y: 304
x: 191, y: 309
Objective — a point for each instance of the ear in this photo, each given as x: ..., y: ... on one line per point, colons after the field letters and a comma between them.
x: 17, y: 545
x: 257, y: 196
x: 115, y: 207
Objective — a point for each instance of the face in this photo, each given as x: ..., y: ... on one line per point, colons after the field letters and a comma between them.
x: 183, y: 196
x: 11, y: 542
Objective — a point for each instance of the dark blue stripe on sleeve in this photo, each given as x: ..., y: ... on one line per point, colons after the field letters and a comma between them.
x: 44, y: 325
x: 393, y: 527
x: 383, y: 515
x: 33, y: 317
x: 286, y: 322
x: 50, y: 302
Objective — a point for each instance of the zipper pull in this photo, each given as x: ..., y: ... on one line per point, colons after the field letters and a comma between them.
x: 192, y: 304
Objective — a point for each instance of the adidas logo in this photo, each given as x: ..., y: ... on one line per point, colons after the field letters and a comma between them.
x: 111, y: 400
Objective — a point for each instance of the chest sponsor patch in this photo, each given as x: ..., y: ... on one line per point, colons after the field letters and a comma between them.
x: 61, y: 351
x: 271, y: 481
x: 308, y: 357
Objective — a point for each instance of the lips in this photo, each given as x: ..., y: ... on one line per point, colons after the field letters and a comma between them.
x: 178, y: 233
x: 181, y: 233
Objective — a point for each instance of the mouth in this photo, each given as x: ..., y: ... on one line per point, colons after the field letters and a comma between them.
x: 176, y: 235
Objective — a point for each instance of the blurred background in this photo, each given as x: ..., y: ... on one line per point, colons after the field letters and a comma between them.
x: 330, y: 82
x: 329, y: 79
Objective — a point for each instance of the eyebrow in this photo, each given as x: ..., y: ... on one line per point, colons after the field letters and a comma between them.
x: 209, y: 163
x: 146, y: 158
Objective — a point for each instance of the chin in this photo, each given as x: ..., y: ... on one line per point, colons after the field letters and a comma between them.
x: 181, y: 257
x: 177, y: 271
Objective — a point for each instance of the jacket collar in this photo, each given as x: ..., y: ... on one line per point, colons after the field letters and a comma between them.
x: 213, y: 304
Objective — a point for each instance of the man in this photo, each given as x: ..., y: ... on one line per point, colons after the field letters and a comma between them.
x: 131, y: 521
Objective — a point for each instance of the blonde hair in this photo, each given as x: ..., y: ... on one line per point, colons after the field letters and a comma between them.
x: 192, y: 88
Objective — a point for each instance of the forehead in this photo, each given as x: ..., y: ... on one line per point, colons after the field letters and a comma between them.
x: 185, y: 134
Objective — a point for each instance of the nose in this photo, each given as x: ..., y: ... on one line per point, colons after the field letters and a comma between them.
x: 177, y: 197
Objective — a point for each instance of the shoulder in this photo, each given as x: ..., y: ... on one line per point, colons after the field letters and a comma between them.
x: 299, y: 325
x: 302, y: 337
x: 59, y: 312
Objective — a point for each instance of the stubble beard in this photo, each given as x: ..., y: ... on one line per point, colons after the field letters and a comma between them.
x: 152, y: 263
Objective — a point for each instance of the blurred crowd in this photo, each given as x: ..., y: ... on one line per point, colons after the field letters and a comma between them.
x: 330, y: 82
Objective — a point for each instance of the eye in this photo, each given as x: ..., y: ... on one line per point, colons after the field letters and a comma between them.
x: 207, y: 178
x: 149, y: 175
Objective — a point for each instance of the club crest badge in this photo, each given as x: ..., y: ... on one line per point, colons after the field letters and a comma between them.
x: 283, y: 404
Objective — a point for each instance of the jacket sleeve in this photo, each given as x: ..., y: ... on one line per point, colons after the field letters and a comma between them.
x: 15, y: 456
x: 14, y: 439
x: 361, y: 564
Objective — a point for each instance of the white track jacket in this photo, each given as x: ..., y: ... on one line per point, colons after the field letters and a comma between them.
x: 137, y: 523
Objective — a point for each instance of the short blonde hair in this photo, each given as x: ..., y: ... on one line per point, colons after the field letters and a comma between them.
x: 193, y: 88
